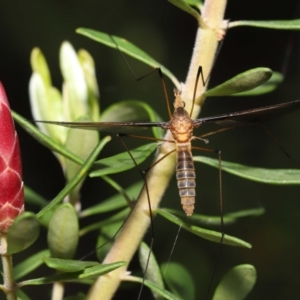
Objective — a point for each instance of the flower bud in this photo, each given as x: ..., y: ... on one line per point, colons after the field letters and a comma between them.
x: 11, y: 184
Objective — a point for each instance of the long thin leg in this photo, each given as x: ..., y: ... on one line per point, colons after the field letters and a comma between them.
x: 218, y: 152
x: 150, y: 214
x: 222, y: 224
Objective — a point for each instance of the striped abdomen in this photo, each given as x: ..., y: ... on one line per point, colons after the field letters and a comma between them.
x: 185, y: 175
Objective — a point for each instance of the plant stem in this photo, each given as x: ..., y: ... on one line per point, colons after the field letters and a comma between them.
x: 7, y: 271
x: 58, y: 291
x: 159, y: 176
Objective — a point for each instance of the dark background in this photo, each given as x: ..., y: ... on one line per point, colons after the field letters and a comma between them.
x: 167, y: 34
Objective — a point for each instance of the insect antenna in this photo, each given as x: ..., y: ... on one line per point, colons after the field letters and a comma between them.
x: 128, y: 65
x: 163, y: 82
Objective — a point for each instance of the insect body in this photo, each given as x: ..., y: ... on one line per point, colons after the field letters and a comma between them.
x: 181, y: 127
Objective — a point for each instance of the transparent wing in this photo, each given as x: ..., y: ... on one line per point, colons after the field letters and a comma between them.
x: 119, y: 127
x: 251, y: 115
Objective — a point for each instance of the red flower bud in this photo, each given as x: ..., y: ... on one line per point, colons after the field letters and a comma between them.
x: 11, y: 184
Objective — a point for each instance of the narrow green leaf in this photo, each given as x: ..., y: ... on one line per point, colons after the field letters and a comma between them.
x: 228, y: 218
x: 68, y: 265
x: 272, y: 24
x: 254, y: 212
x: 92, y: 272
x: 270, y: 176
x: 132, y: 110
x: 33, y: 197
x: 150, y: 267
x: 128, y: 48
x: 21, y: 295
x: 45, y: 218
x: 197, y: 3
x: 44, y: 139
x: 267, y: 87
x: 29, y: 264
x: 200, y: 219
x: 210, y: 235
x: 240, y: 83
x: 115, y: 202
x: 116, y: 218
x: 80, y: 142
x: 77, y: 178
x: 185, y: 7
x: 22, y: 233
x: 236, y: 284
x: 162, y: 292
x: 123, y: 161
x: 179, y: 280
x: 63, y: 232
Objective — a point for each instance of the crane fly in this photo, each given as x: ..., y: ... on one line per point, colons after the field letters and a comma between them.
x: 181, y: 126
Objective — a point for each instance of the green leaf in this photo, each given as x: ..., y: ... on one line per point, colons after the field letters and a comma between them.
x: 68, y: 265
x: 33, y: 197
x: 44, y: 139
x: 236, y: 284
x: 240, y: 83
x: 45, y: 218
x: 201, y: 219
x: 254, y: 212
x: 185, y: 7
x: 150, y: 267
x: 77, y: 178
x: 63, y: 232
x: 197, y: 3
x: 270, y: 176
x: 228, y: 218
x: 132, y: 110
x: 179, y: 280
x: 21, y: 295
x: 267, y: 87
x: 116, y: 218
x: 92, y: 272
x: 204, y: 233
x: 123, y: 161
x: 115, y: 202
x: 154, y: 288
x: 80, y: 142
x: 272, y: 24
x: 128, y: 48
x: 29, y: 264
x: 22, y: 233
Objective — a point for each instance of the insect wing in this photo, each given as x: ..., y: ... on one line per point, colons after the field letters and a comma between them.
x: 109, y: 126
x: 251, y: 115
